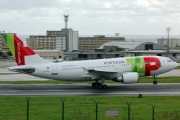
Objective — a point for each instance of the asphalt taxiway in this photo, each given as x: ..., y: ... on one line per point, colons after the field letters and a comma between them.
x: 165, y: 89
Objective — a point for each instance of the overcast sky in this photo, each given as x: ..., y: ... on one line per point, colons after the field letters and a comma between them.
x: 91, y: 17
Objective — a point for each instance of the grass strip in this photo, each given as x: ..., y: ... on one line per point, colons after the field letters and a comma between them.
x: 178, y: 67
x: 83, y: 107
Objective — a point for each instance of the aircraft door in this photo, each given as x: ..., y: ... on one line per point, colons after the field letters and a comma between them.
x: 54, y: 70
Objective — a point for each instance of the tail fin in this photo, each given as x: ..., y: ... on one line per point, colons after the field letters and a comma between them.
x: 22, y: 54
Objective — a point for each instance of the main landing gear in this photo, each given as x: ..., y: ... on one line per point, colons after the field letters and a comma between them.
x: 99, y: 85
x: 155, y: 81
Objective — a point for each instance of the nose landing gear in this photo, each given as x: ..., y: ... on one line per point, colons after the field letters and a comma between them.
x: 155, y: 81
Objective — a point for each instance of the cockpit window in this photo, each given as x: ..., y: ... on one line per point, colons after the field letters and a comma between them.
x: 169, y: 60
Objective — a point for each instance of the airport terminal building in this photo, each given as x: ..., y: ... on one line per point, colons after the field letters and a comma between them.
x: 96, y: 47
x: 65, y: 40
x: 90, y: 44
x: 141, y: 49
x: 49, y: 54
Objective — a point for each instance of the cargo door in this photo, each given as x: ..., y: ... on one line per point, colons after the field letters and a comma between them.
x: 54, y: 70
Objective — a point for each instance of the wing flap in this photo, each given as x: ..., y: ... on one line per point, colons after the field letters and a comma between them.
x: 105, y: 71
x: 97, y: 73
x: 100, y: 70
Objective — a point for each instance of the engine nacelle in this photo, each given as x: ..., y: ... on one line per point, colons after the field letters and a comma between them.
x: 128, y: 78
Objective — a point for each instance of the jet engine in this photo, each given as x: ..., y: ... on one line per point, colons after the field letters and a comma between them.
x: 127, y: 78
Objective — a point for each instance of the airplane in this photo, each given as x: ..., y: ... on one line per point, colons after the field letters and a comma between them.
x: 126, y: 70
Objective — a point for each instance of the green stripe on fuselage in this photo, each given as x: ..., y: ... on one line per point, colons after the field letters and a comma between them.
x: 9, y: 39
x: 137, y: 64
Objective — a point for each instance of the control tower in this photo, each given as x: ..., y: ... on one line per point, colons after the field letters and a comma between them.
x: 66, y: 20
x: 66, y: 31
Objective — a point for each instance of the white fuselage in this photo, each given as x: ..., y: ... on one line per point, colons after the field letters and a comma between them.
x: 74, y: 70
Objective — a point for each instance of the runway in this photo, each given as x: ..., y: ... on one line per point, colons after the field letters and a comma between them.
x: 167, y: 89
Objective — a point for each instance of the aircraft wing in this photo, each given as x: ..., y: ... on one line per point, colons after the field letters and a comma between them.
x: 24, y: 69
x: 103, y: 71
x: 97, y: 73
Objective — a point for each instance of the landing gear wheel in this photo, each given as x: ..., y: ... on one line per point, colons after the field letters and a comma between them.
x: 99, y: 86
x: 94, y: 84
x: 155, y: 82
x: 104, y: 86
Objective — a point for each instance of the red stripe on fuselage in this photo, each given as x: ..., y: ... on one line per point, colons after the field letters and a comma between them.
x: 149, y: 67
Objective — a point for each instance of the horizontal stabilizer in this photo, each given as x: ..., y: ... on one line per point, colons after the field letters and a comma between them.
x: 24, y: 69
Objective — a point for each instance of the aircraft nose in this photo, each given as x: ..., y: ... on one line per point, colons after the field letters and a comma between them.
x: 175, y: 64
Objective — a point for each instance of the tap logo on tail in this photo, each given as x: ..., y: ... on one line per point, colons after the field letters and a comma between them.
x: 17, y: 48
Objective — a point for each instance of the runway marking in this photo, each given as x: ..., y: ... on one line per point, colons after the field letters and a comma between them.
x: 172, y: 89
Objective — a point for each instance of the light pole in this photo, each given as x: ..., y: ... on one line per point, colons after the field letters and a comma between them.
x: 66, y: 32
x: 168, y: 30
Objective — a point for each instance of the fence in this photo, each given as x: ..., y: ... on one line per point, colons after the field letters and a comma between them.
x: 62, y: 109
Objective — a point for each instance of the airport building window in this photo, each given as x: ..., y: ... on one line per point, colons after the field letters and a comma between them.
x: 148, y: 46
